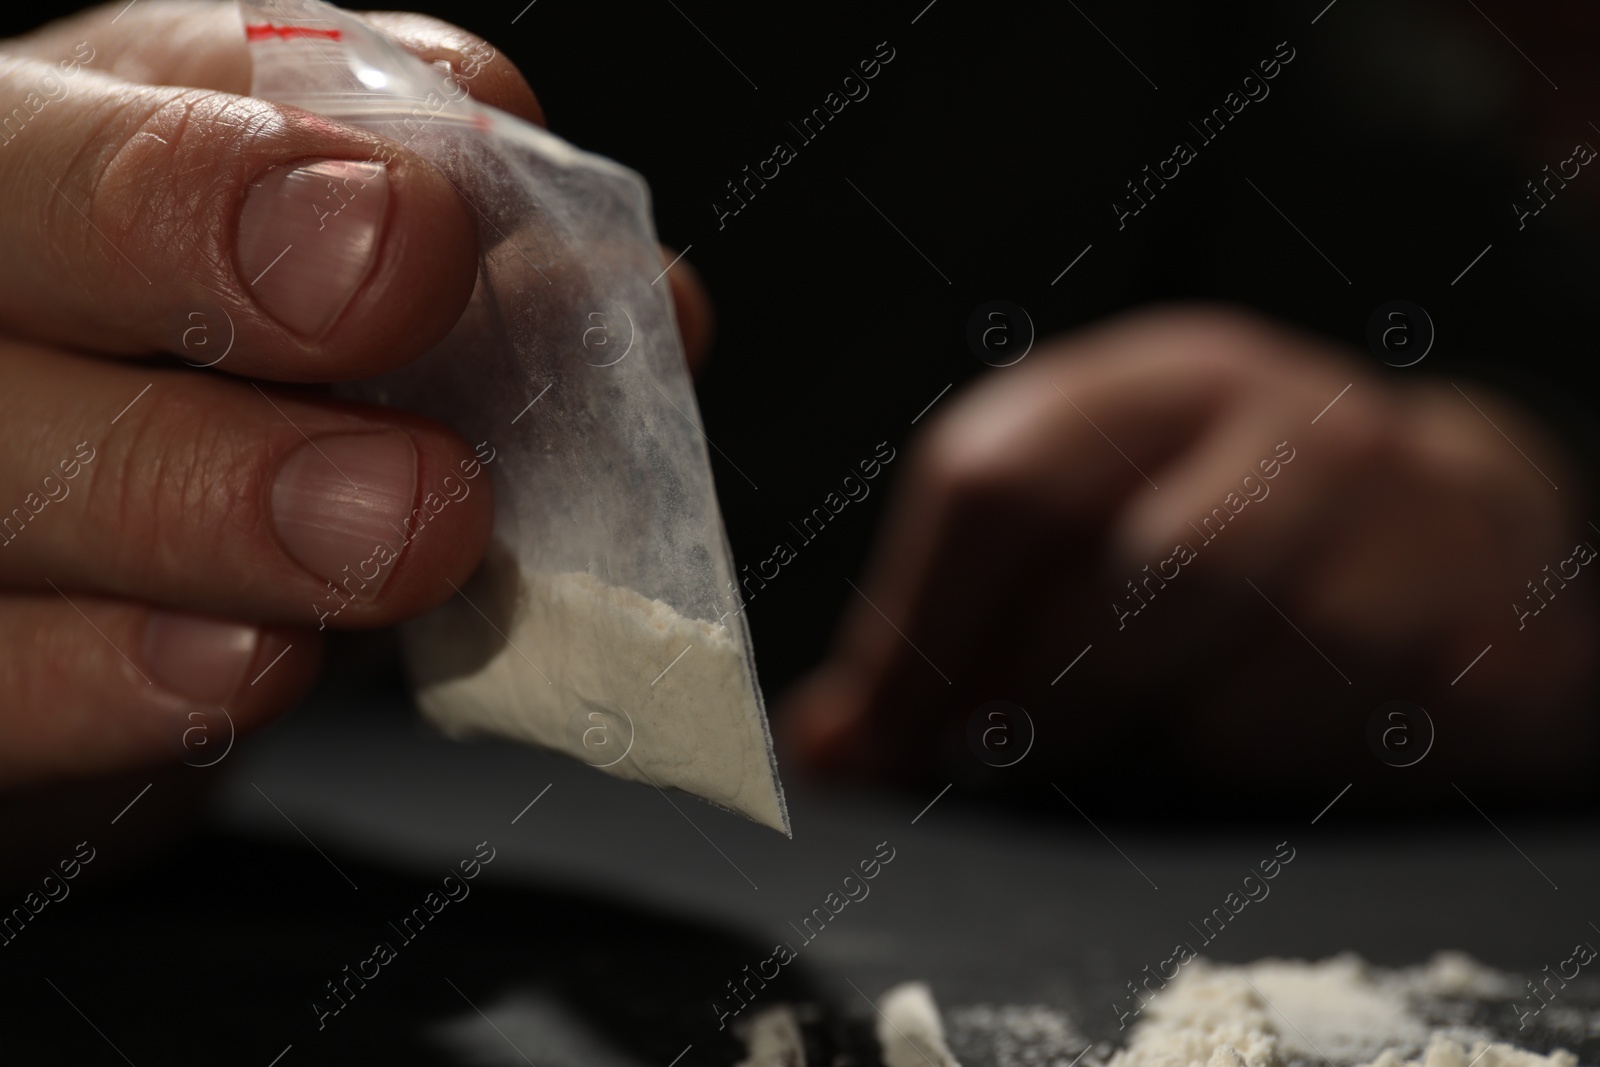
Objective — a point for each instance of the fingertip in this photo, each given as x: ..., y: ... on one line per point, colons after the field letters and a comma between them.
x: 224, y: 669
x: 99, y: 685
x: 475, y: 64
x: 1142, y: 531
x: 443, y: 539
x: 286, y: 664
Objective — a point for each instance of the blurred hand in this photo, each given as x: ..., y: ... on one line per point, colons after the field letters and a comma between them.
x: 166, y: 534
x: 1292, y: 572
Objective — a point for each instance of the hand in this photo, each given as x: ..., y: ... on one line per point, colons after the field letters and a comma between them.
x: 1373, y: 551
x: 168, y: 536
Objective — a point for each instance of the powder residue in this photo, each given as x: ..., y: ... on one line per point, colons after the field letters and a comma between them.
x: 1015, y: 1035
x: 1340, y: 1010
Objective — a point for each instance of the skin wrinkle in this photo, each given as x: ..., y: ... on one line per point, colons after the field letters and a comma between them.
x: 201, y: 480
x: 113, y: 486
x: 92, y: 146
x: 205, y: 240
x: 52, y: 227
x: 174, y: 482
x: 126, y: 209
x: 63, y: 226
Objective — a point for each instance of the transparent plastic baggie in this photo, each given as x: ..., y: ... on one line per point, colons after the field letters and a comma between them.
x: 605, y: 621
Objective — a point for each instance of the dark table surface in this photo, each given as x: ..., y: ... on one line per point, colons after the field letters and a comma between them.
x: 612, y: 916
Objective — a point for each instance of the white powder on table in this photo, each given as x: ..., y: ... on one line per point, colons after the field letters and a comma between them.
x: 909, y: 1029
x: 1271, y: 1012
x: 1016, y: 1035
x: 583, y: 664
x: 773, y: 1039
x: 1443, y: 1052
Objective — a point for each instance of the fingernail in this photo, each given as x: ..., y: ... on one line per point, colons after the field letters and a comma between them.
x: 308, y: 236
x: 196, y: 656
x: 339, y: 502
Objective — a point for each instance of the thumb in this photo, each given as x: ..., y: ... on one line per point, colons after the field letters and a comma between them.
x: 127, y: 209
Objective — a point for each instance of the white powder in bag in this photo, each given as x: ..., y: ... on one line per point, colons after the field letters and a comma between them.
x: 619, y: 680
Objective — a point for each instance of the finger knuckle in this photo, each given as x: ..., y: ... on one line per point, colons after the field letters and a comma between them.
x: 1208, y: 343
x: 1364, y: 437
x: 970, y: 466
x: 163, y: 160
x: 178, y: 485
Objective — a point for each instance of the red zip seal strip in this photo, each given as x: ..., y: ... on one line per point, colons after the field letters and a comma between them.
x: 265, y: 31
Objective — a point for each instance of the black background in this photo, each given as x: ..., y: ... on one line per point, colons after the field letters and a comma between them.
x: 996, y: 140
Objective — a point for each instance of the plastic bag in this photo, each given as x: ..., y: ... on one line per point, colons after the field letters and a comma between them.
x: 605, y: 621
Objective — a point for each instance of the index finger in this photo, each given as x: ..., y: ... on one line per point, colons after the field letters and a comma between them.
x: 218, y: 226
